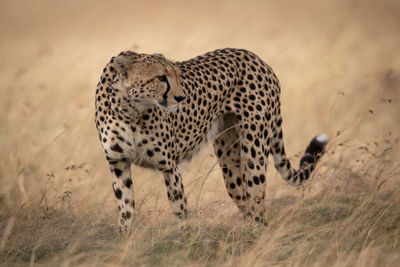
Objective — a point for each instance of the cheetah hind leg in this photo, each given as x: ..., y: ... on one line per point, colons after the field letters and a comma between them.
x: 227, y: 147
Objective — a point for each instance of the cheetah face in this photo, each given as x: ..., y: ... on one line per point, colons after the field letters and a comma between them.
x: 147, y: 80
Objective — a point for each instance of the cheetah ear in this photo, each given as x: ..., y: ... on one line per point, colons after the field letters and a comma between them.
x: 121, y: 65
x: 159, y: 55
x: 123, y: 62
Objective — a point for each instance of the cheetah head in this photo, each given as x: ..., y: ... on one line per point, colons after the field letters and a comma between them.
x: 146, y: 80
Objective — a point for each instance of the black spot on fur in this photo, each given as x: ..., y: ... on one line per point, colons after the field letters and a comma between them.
x: 117, y: 172
x: 117, y: 148
x: 118, y: 193
x: 128, y: 182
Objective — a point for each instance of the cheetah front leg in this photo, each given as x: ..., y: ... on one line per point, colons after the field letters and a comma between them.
x: 175, y: 191
x: 122, y: 183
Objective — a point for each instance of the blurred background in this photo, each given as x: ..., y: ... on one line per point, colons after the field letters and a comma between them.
x: 338, y: 63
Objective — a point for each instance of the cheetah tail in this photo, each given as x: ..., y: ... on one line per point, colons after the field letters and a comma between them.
x: 307, y: 163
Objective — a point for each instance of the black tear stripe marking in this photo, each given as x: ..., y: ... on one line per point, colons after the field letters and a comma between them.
x: 165, y: 95
x: 117, y: 148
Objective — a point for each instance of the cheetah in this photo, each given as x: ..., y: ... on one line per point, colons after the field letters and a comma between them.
x: 155, y: 113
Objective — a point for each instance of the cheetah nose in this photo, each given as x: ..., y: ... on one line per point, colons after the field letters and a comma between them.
x: 179, y: 98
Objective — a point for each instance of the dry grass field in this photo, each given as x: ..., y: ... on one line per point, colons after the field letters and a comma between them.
x: 339, y: 66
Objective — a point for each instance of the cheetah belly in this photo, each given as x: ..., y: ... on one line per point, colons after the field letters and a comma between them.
x: 212, y: 132
x: 142, y: 159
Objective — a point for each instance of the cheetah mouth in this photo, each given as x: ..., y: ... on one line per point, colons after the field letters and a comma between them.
x: 163, y: 103
x: 168, y: 105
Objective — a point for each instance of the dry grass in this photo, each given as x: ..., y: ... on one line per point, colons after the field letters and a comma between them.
x: 339, y: 58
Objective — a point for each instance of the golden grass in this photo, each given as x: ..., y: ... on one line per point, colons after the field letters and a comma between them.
x: 339, y: 65
x: 353, y: 220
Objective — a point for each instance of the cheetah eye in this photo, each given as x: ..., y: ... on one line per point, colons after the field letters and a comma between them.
x: 162, y: 78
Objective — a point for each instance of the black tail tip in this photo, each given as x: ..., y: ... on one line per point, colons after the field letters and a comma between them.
x: 317, y: 145
x: 314, y: 150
